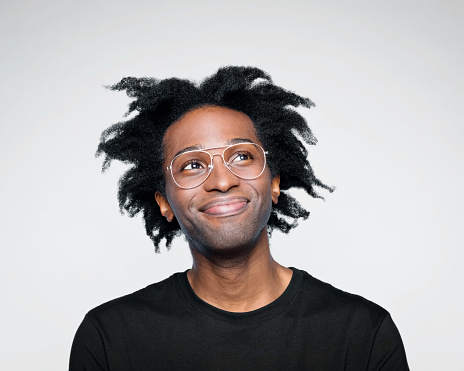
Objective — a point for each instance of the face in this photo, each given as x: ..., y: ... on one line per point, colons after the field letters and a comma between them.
x: 224, y: 213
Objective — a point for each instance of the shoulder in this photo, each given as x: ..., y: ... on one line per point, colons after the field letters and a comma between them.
x: 157, y: 296
x: 342, y: 319
x: 321, y: 297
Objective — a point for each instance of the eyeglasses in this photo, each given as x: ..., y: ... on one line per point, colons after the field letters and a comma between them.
x: 191, y: 168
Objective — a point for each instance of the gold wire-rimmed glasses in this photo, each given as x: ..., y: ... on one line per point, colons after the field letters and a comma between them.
x: 245, y: 160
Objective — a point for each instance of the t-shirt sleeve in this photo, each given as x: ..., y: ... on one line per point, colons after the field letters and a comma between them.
x: 88, y: 351
x: 388, y: 352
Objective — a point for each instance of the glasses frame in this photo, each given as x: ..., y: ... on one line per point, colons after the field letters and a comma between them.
x: 211, y: 164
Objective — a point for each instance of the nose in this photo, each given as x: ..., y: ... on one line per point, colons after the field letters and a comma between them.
x: 220, y: 178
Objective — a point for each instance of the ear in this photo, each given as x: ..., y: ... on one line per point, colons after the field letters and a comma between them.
x: 164, y: 206
x: 275, y: 188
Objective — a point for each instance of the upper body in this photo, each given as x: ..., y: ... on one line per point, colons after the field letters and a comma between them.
x: 218, y: 174
x: 166, y: 326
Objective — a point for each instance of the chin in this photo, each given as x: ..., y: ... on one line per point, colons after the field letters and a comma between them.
x: 228, y: 243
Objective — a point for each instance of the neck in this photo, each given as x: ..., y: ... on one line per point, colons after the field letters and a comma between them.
x: 240, y: 283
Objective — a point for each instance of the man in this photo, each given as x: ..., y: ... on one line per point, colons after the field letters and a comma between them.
x: 214, y: 162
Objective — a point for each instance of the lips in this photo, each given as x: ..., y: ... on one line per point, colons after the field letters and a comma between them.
x: 225, y: 207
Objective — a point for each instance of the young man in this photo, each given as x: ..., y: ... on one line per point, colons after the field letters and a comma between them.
x: 214, y: 162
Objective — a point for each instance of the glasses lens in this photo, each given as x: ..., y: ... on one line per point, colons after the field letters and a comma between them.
x: 190, y: 169
x: 245, y: 160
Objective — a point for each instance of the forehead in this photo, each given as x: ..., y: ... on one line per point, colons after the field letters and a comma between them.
x: 206, y: 127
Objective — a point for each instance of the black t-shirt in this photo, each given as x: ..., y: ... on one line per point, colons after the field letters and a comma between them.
x: 311, y: 326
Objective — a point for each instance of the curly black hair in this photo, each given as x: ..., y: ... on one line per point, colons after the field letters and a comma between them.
x: 160, y: 103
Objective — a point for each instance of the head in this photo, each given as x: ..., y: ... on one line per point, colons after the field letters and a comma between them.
x: 236, y: 103
x: 218, y: 186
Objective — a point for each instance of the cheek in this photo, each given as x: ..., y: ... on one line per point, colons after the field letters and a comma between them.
x: 178, y: 200
x: 171, y: 196
x: 265, y: 185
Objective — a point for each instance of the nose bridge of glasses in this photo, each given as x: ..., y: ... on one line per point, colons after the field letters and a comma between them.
x: 222, y: 159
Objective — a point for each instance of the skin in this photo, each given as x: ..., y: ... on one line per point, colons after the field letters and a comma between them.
x: 224, y: 219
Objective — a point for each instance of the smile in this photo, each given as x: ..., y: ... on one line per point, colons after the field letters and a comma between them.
x: 225, y: 207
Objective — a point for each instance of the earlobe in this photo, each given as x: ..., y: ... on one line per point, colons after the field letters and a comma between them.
x: 275, y: 188
x: 164, y: 206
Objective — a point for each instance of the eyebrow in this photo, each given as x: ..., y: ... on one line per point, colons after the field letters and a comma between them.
x: 198, y: 147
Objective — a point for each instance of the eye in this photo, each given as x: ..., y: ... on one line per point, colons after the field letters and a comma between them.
x: 241, y: 156
x: 192, y: 165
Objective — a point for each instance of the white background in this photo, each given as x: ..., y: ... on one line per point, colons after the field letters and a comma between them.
x: 388, y: 83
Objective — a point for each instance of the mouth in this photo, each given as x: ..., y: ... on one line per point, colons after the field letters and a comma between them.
x: 225, y: 207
